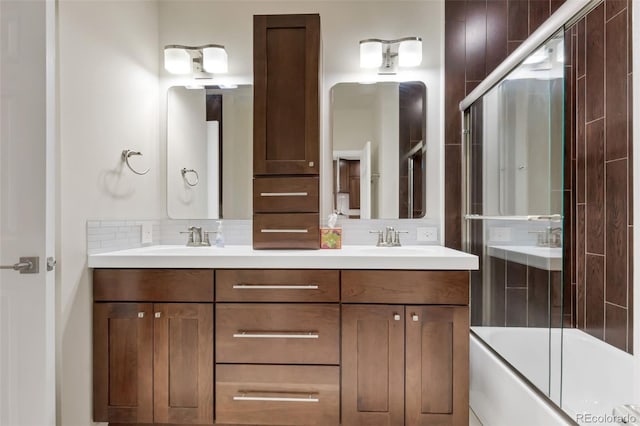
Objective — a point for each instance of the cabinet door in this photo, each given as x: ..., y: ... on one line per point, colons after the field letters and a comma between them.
x: 437, y: 365
x: 286, y: 126
x: 122, y: 362
x: 372, y: 365
x: 183, y: 363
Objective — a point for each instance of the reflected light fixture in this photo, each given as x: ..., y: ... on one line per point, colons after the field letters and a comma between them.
x: 387, y: 55
x: 538, y: 57
x: 209, y: 58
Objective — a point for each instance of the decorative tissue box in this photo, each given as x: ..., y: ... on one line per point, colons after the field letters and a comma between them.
x: 330, y: 238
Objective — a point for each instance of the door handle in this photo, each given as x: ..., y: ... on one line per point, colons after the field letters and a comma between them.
x: 26, y: 265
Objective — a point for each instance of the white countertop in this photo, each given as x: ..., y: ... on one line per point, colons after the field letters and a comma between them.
x: 349, y: 257
x: 548, y: 258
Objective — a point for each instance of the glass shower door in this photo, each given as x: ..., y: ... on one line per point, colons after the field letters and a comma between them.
x: 514, y: 202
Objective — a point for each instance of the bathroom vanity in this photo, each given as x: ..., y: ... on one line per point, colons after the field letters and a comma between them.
x: 358, y: 336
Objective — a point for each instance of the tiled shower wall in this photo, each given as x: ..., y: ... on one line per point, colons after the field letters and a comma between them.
x: 479, y: 34
x: 598, y: 172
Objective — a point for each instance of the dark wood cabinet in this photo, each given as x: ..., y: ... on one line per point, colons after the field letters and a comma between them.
x: 183, y: 363
x: 153, y: 362
x: 123, y: 362
x: 278, y: 395
x: 398, y: 358
x: 286, y: 131
x: 286, y: 123
x: 437, y: 365
x: 289, y: 347
x: 398, y: 365
x: 373, y: 365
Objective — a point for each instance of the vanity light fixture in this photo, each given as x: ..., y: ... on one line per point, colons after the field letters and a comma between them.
x: 209, y: 58
x: 382, y: 54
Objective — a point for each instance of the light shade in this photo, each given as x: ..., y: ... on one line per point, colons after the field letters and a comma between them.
x: 177, y: 60
x: 410, y: 53
x: 538, y: 57
x: 370, y: 54
x: 214, y: 60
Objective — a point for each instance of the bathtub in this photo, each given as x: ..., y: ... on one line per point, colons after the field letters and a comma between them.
x: 499, y: 396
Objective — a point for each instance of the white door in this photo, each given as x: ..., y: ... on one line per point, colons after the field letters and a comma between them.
x: 365, y: 182
x: 27, y: 131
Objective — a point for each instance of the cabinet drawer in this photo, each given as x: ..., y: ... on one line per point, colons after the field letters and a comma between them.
x: 277, y: 333
x: 286, y: 195
x: 286, y: 231
x: 277, y: 395
x: 411, y: 287
x: 157, y: 285
x: 283, y: 285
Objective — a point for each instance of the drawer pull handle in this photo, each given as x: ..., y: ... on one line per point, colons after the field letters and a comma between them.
x: 284, y: 231
x: 284, y: 194
x: 290, y: 396
x: 275, y: 287
x: 246, y: 334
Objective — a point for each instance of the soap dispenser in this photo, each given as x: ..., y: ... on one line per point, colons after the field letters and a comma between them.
x: 219, y: 235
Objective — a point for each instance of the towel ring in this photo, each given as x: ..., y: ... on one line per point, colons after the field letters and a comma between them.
x: 184, y: 172
x: 125, y: 157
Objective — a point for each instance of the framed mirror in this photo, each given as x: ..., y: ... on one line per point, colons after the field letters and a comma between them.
x: 209, y: 152
x: 379, y: 149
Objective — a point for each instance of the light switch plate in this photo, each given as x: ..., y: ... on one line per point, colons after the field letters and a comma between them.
x: 147, y: 233
x: 427, y: 234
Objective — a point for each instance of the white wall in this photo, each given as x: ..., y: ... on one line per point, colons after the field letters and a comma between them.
x: 108, y: 87
x: 343, y: 25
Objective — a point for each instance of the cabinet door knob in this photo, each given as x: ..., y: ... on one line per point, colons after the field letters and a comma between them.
x: 140, y: 314
x: 415, y: 317
x: 158, y: 315
x: 396, y: 317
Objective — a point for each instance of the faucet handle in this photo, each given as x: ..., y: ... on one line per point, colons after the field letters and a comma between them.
x: 396, y: 237
x: 380, y: 237
x: 190, y: 233
x: 206, y: 241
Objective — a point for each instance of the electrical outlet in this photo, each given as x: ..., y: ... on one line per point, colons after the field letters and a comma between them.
x: 147, y: 233
x: 427, y: 234
x: 499, y: 234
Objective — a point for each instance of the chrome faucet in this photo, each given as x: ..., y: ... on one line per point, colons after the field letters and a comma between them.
x: 554, y: 237
x: 550, y: 237
x: 197, y: 237
x: 390, y: 237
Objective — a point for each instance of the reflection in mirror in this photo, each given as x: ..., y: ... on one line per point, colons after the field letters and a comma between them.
x: 209, y: 152
x: 379, y: 149
x: 521, y: 113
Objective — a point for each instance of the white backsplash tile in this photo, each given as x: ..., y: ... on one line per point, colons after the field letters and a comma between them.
x: 109, y: 235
